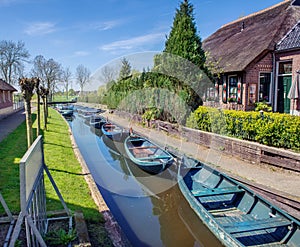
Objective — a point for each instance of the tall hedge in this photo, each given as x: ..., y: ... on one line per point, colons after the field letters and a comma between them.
x: 272, y: 129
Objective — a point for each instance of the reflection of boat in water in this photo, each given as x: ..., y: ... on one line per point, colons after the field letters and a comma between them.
x: 202, y: 235
x: 97, y: 121
x: 153, y: 185
x: 147, y: 155
x: 234, y: 213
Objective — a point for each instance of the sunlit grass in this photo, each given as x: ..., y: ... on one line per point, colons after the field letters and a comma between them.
x: 12, y: 148
x: 65, y: 169
x: 61, y: 161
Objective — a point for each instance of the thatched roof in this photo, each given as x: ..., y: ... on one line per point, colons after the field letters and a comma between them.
x: 236, y: 44
x: 291, y: 40
x: 6, y: 87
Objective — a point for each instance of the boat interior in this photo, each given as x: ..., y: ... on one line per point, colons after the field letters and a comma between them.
x: 242, y: 213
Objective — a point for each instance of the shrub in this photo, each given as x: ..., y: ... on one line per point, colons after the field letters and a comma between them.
x: 272, y: 129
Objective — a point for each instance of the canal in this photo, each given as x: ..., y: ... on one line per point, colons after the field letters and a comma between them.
x: 149, y: 208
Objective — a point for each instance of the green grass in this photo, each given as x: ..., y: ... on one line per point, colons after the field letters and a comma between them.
x: 64, y: 168
x: 12, y: 148
x: 61, y: 161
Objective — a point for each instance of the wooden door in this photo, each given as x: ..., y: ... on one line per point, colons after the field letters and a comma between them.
x: 283, y: 102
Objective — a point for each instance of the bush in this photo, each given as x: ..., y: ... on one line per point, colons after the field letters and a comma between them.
x: 272, y: 129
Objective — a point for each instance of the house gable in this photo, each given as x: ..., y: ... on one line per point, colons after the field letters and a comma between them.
x: 239, y: 43
x: 291, y: 40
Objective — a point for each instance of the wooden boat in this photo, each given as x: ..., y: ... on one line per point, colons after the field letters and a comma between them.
x: 97, y: 121
x: 66, y: 110
x: 147, y: 155
x: 114, y: 132
x: 233, y: 212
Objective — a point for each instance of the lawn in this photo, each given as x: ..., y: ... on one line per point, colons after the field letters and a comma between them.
x: 64, y: 168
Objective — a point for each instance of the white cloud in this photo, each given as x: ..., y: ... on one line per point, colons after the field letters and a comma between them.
x: 135, y: 42
x: 106, y: 25
x: 40, y: 28
x: 81, y: 53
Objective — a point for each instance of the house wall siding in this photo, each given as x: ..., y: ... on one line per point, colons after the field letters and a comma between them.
x: 6, y: 103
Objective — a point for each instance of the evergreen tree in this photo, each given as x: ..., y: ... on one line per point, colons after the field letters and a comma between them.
x: 183, y: 57
x: 183, y: 40
x: 125, y: 69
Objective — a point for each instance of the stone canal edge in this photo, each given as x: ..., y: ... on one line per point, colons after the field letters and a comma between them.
x: 114, y: 230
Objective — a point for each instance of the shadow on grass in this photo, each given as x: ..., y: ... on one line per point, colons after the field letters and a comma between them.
x: 64, y: 171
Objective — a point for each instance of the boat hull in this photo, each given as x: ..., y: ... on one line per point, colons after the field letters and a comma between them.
x: 147, y: 155
x: 234, y: 213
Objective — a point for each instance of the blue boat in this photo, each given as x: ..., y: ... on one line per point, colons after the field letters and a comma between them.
x: 234, y: 213
x: 147, y: 155
x: 66, y: 110
x: 114, y: 132
x: 97, y: 121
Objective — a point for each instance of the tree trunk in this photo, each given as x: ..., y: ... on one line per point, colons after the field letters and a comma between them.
x: 46, y: 107
x: 45, y: 113
x: 38, y: 115
x: 28, y: 123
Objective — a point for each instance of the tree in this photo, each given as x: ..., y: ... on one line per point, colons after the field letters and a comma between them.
x: 12, y: 59
x: 44, y: 93
x: 183, y: 40
x: 27, y: 87
x: 82, y: 76
x: 49, y: 71
x: 183, y: 57
x: 125, y: 70
x: 37, y: 89
x: 66, y: 76
x: 108, y: 74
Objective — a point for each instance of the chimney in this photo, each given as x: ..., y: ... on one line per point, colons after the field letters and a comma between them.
x: 243, y: 26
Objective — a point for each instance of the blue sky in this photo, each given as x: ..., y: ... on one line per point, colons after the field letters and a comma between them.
x: 96, y: 32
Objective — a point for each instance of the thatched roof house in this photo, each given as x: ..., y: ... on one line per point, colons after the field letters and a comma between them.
x: 245, y: 49
x: 236, y: 44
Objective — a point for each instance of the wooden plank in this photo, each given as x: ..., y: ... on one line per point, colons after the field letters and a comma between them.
x: 255, y: 225
x: 143, y: 147
x: 217, y: 191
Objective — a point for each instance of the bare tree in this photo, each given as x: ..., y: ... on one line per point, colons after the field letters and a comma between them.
x: 108, y: 74
x: 27, y: 86
x: 12, y: 59
x: 49, y: 71
x: 66, y: 76
x: 82, y: 76
x: 44, y: 93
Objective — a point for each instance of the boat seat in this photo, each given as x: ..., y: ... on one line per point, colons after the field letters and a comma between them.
x: 217, y: 191
x: 255, y: 225
x: 142, y: 147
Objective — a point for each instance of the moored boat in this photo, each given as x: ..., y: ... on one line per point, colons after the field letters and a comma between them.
x: 97, y: 121
x: 148, y: 156
x: 233, y: 212
x: 114, y: 132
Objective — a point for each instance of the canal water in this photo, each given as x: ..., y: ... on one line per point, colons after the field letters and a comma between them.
x: 149, y: 208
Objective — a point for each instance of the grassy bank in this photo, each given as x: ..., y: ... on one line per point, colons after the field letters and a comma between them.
x: 63, y: 166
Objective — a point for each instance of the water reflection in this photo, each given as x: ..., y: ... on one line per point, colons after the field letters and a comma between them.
x: 149, y: 208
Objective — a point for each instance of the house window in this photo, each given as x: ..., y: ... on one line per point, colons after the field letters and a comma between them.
x: 233, y: 88
x: 264, y: 87
x: 285, y: 68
